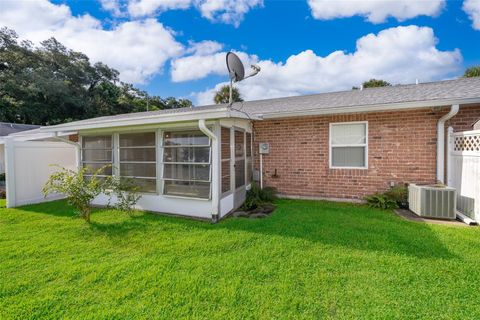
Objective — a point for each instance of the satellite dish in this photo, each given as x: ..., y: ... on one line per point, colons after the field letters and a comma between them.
x: 237, y: 72
x: 235, y: 67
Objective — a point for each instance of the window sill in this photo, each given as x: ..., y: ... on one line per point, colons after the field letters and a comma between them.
x: 348, y: 168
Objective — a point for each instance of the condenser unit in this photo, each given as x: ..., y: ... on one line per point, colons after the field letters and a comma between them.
x: 432, y: 201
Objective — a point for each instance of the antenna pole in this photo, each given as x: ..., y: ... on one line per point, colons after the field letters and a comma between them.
x: 230, y: 99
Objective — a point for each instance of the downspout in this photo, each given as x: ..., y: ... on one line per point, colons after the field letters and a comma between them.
x: 441, y: 142
x: 75, y: 144
x: 215, y: 177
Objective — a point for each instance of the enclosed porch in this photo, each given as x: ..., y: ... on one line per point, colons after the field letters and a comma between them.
x: 200, y: 167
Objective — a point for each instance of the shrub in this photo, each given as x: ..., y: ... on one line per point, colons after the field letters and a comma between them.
x: 3, y: 194
x: 256, y: 197
x: 381, y: 201
x: 126, y: 194
x: 79, y: 186
x: 399, y: 194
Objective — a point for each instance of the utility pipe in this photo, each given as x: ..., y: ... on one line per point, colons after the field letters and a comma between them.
x: 441, y: 142
x: 215, y: 162
x: 261, y: 171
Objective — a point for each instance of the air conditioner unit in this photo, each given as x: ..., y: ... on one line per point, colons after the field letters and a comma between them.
x: 432, y: 201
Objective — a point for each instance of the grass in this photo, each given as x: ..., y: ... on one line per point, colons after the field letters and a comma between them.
x: 308, y: 260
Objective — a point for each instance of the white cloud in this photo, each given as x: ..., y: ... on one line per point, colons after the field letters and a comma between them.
x: 204, y: 47
x: 472, y: 8
x: 398, y: 55
x: 226, y: 11
x: 140, y: 8
x: 138, y: 49
x: 113, y: 6
x: 198, y: 66
x: 375, y: 11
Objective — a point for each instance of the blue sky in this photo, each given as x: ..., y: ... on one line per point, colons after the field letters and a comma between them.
x: 173, y: 48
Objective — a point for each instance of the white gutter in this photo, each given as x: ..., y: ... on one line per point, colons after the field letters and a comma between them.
x: 215, y: 172
x: 111, y: 122
x: 441, y: 142
x: 465, y: 219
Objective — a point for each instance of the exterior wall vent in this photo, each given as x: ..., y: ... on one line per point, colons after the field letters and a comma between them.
x: 432, y: 202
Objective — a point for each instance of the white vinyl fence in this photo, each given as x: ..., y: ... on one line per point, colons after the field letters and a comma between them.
x: 28, y: 167
x: 464, y: 170
x: 2, y: 158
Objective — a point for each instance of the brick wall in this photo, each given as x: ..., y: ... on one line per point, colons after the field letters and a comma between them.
x: 401, y: 148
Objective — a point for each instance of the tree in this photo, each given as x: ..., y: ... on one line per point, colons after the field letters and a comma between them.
x: 223, y: 95
x: 375, y: 83
x: 472, y: 72
x: 51, y: 84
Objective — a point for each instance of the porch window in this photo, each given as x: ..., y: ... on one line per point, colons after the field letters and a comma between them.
x: 97, y: 153
x: 186, y: 164
x: 349, y: 145
x: 226, y: 157
x: 249, y: 158
x: 138, y: 159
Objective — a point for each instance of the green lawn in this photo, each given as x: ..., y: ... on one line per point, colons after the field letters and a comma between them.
x: 308, y: 260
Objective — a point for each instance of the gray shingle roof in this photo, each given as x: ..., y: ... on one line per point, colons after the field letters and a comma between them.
x: 431, y: 92
x: 8, y: 128
x: 463, y: 88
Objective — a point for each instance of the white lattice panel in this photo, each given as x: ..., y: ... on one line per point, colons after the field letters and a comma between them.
x: 467, y: 143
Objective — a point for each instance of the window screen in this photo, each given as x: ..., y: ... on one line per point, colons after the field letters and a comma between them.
x: 138, y: 160
x: 249, y: 158
x: 97, y: 153
x: 226, y: 159
x: 348, y: 145
x: 186, y: 164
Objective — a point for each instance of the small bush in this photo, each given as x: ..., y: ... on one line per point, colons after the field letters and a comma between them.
x: 126, y: 194
x: 399, y: 194
x: 256, y: 197
x: 3, y: 194
x: 79, y: 186
x: 381, y: 201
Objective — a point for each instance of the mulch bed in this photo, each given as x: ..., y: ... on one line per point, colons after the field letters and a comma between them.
x: 257, y: 213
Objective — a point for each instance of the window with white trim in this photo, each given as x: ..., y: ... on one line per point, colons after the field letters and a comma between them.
x: 186, y: 164
x: 349, y: 145
x: 138, y: 160
x: 97, y: 152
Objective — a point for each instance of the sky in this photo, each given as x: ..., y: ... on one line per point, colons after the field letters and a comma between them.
x: 178, y: 47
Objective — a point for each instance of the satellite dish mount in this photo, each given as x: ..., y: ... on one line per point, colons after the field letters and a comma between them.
x: 236, y: 72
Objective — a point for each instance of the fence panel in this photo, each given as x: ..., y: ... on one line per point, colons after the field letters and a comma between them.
x: 464, y: 170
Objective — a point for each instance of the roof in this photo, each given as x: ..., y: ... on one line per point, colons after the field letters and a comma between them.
x: 151, y: 117
x: 8, y: 128
x: 430, y: 94
x: 440, y: 93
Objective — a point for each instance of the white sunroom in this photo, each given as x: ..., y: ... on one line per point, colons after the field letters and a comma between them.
x: 195, y: 162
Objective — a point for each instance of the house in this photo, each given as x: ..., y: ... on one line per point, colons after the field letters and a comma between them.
x: 342, y: 145
x: 5, y: 130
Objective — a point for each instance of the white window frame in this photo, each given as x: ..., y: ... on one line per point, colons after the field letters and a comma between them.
x: 119, y: 162
x: 105, y: 163
x: 162, y: 163
x: 365, y: 145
